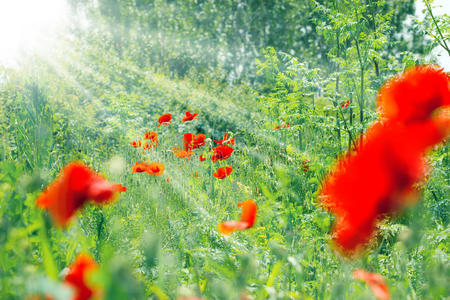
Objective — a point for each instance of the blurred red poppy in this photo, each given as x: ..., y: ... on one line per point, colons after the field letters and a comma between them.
x: 139, y: 167
x: 225, y: 140
x: 165, y: 119
x: 182, y: 153
x: 248, y: 217
x: 135, y: 144
x: 375, y: 282
x: 75, y: 185
x: 153, y: 140
x: 221, y: 152
x: 191, y: 141
x: 344, y: 104
x: 223, y: 172
x: 379, y: 179
x: 189, y: 117
x: 155, y: 168
x: 78, y: 277
x: 202, y: 158
x: 415, y: 94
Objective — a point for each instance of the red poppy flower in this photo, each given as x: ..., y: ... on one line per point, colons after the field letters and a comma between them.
x: 276, y: 127
x: 151, y: 136
x: 119, y: 188
x: 378, y: 180
x: 135, y: 144
x: 78, y: 277
x: 221, y: 152
x: 196, y: 174
x: 375, y: 282
x: 155, y: 168
x: 223, y: 172
x: 191, y: 141
x: 344, y: 104
x: 415, y: 94
x: 182, y: 153
x: 139, y: 167
x: 305, y: 166
x: 75, y: 185
x: 168, y: 179
x: 248, y: 217
x: 165, y: 119
x: 189, y: 117
x: 225, y: 140
x: 202, y: 158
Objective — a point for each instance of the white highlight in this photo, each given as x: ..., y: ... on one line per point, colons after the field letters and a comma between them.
x: 29, y: 26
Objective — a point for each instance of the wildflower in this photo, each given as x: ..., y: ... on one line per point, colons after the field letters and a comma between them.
x: 168, y: 179
x: 78, y: 277
x: 151, y: 136
x: 223, y: 172
x: 189, y: 117
x: 139, y: 167
x: 191, y: 141
x: 247, y: 220
x: 196, y: 174
x: 305, y: 166
x: 182, y: 153
x: 276, y: 127
x: 415, y: 94
x: 201, y: 158
x: 378, y: 180
x: 344, y: 104
x: 135, y: 144
x: 75, y: 185
x: 225, y: 140
x: 164, y: 119
x: 375, y: 282
x: 221, y: 152
x: 155, y: 168
x: 153, y: 139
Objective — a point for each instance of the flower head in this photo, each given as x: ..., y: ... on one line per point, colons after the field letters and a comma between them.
x: 223, y: 172
x: 221, y: 153
x: 225, y: 140
x: 78, y: 277
x: 76, y: 185
x: 247, y: 220
x: 189, y: 117
x: 375, y: 282
x: 135, y: 144
x: 165, y: 119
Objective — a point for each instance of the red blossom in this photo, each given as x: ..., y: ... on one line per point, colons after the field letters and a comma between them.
x: 223, y: 172
x: 375, y: 282
x: 164, y: 119
x: 78, y: 277
x: 76, y: 185
x: 247, y: 220
x: 221, y: 152
x: 189, y: 117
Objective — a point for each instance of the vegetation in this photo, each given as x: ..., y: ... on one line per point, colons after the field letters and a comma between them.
x: 293, y: 82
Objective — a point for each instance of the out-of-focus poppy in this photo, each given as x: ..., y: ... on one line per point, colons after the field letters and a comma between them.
x: 78, y: 277
x: 379, y: 179
x: 151, y: 135
x: 135, y: 144
x: 155, y: 168
x: 75, y: 185
x: 247, y: 220
x: 139, y: 167
x: 189, y: 117
x: 415, y: 94
x: 120, y: 188
x: 305, y: 166
x: 221, y: 152
x: 196, y: 174
x: 225, y: 140
x: 201, y: 158
x: 223, y: 172
x: 165, y: 119
x: 182, y: 153
x: 191, y: 141
x: 153, y: 140
x: 168, y: 179
x: 375, y: 282
x: 276, y: 127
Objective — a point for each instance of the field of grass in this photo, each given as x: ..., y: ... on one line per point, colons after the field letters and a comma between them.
x: 160, y: 238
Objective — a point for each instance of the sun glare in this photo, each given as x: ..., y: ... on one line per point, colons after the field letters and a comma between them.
x: 29, y: 26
